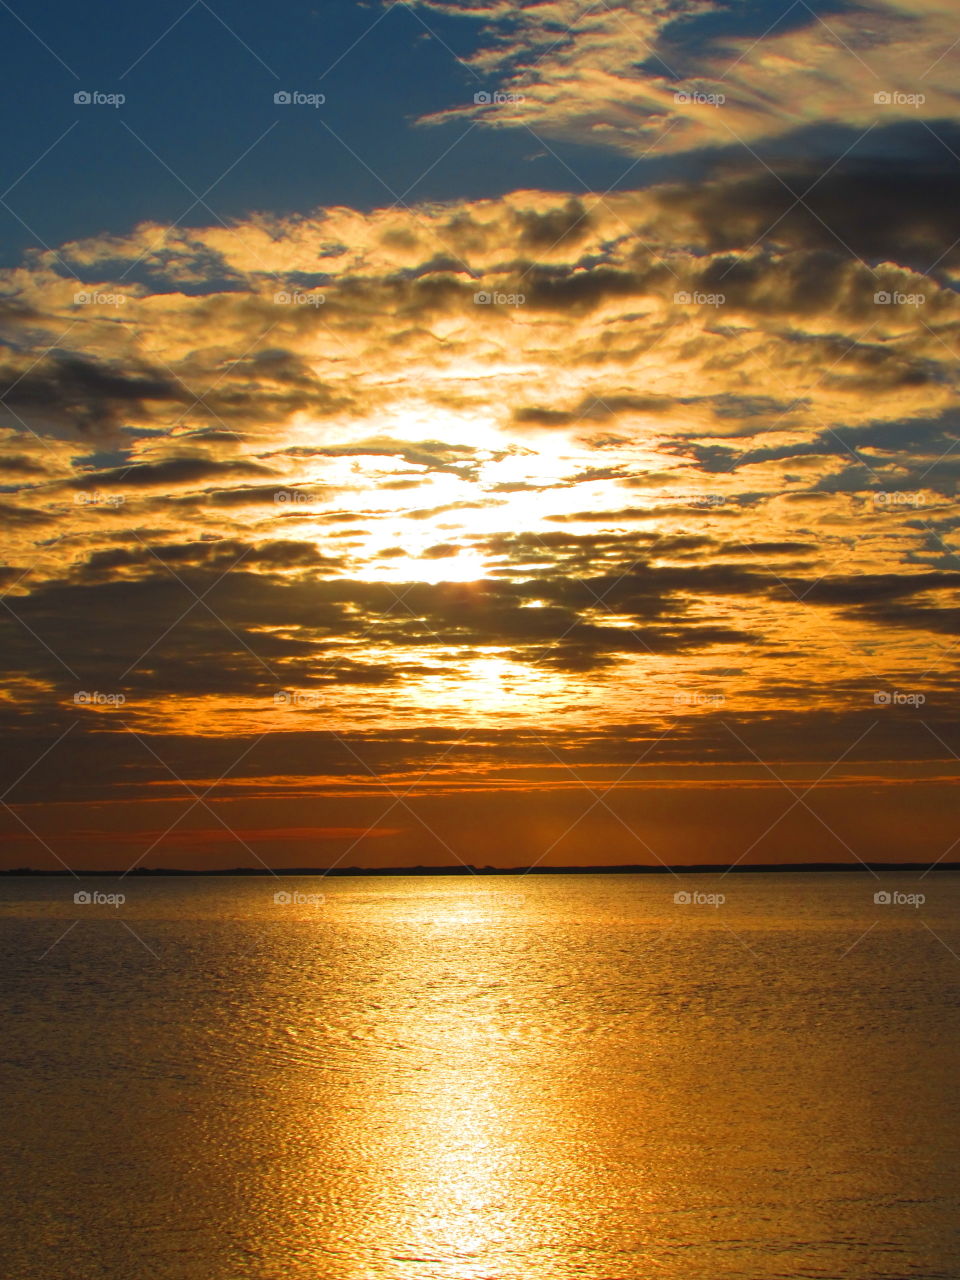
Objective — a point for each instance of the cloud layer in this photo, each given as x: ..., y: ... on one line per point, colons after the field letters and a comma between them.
x: 612, y: 467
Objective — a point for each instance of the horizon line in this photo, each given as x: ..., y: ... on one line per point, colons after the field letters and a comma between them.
x: 466, y: 869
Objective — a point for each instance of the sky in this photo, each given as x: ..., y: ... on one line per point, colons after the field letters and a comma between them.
x: 470, y: 432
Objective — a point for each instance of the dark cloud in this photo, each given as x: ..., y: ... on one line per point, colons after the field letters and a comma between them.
x: 945, y: 621
x: 594, y: 408
x: 190, y: 469
x: 918, y: 449
x: 902, y: 212
x: 212, y: 554
x: 25, y: 517
x: 870, y: 587
x: 20, y: 465
x: 559, y: 289
x: 766, y: 548
x: 280, y: 497
x: 543, y: 231
x: 69, y: 390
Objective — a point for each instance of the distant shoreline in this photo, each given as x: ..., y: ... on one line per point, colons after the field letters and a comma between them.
x: 750, y: 868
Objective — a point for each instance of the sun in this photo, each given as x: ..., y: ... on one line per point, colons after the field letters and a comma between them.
x: 467, y: 566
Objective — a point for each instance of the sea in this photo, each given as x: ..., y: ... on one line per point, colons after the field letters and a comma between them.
x: 546, y: 1077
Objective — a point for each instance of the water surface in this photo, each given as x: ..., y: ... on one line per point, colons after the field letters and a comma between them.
x: 486, y: 1078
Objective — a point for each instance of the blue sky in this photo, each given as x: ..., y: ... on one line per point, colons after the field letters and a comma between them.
x: 199, y: 99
